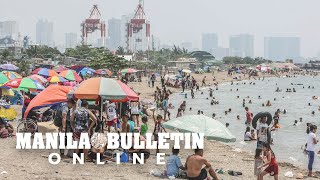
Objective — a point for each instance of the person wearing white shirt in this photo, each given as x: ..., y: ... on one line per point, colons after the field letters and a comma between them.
x: 247, y: 135
x: 311, y: 142
x: 111, y: 115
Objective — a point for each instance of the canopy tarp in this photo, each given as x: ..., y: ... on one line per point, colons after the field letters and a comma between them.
x: 51, y: 95
x: 212, y: 129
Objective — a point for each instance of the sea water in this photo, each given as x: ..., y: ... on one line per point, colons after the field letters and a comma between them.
x: 289, y: 139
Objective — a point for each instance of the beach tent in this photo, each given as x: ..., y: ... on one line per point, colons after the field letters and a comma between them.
x: 53, y: 94
x: 212, y: 129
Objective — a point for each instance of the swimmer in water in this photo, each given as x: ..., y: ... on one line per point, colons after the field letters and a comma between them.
x: 237, y: 89
x: 213, y: 115
x: 229, y: 109
x: 259, y: 97
x: 275, y: 99
x: 262, y: 104
x: 238, y: 117
x: 284, y: 111
x: 227, y: 124
x: 268, y: 103
x: 238, y: 97
x: 312, y: 112
x: 225, y: 112
x: 202, y: 112
x: 250, y: 102
x: 212, y: 102
x: 190, y: 109
x: 301, y: 119
x: 309, y: 104
x: 295, y: 122
x: 199, y: 112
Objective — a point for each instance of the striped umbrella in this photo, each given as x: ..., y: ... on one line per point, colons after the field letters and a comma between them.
x: 56, y: 79
x: 59, y: 68
x: 38, y: 78
x: 104, y: 72
x: 70, y: 75
x: 128, y: 70
x: 9, y: 67
x: 24, y: 83
x: 106, y: 88
x: 45, y: 72
x: 3, y: 79
x: 11, y: 74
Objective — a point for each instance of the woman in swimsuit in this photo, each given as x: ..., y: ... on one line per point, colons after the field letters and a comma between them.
x: 270, y: 161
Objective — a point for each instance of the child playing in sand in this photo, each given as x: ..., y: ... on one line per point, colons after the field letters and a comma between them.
x: 270, y: 161
x: 258, y: 161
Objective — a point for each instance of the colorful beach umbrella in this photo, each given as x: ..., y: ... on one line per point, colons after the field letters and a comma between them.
x: 128, y: 70
x: 38, y: 78
x: 86, y: 70
x: 6, y: 91
x: 11, y: 74
x: 59, y: 68
x: 9, y: 67
x: 56, y: 79
x: 106, y: 88
x: 3, y: 79
x: 24, y: 83
x: 70, y: 75
x: 104, y: 72
x: 53, y: 94
x: 45, y: 72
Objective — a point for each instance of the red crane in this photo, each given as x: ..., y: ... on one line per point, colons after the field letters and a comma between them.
x: 92, y: 24
x: 134, y: 28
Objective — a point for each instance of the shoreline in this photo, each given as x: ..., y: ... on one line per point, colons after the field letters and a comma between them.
x: 27, y: 164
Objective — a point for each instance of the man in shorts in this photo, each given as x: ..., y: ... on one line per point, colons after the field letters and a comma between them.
x: 194, y: 166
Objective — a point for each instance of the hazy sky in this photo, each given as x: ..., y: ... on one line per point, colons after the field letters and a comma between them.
x: 176, y: 21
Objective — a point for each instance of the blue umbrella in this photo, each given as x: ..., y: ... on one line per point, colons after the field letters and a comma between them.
x: 9, y: 67
x: 86, y: 70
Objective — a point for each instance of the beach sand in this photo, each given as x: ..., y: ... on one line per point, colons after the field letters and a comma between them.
x: 33, y: 164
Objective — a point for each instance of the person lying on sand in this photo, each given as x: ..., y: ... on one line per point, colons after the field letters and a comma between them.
x: 194, y: 166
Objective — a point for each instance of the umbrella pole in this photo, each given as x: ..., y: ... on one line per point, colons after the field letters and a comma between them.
x: 101, y: 109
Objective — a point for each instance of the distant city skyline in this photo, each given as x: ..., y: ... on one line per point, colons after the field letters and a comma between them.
x: 224, y: 18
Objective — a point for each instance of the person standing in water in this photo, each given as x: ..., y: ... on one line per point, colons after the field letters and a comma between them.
x: 249, y: 117
x: 311, y: 142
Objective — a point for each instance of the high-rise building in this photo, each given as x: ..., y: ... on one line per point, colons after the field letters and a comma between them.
x: 9, y: 29
x: 220, y: 52
x: 114, y: 33
x: 281, y: 48
x: 124, y: 31
x: 242, y: 45
x: 71, y: 40
x: 209, y: 42
x: 44, y: 33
